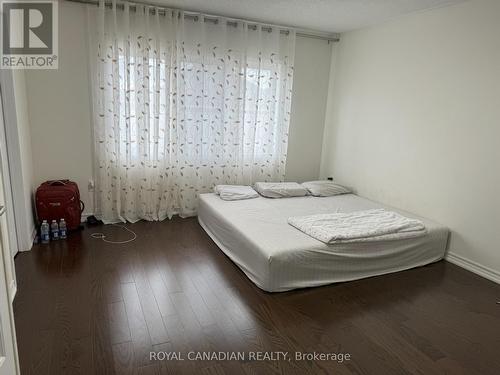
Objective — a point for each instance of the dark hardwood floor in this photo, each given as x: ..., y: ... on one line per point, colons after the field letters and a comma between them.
x: 87, y: 307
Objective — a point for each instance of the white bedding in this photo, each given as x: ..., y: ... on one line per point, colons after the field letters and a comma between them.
x: 277, y: 257
x: 235, y: 192
x: 280, y: 189
x: 324, y: 188
x: 358, y: 226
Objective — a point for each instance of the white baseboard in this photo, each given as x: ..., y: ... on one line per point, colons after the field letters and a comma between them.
x: 13, y: 290
x: 474, y: 267
x: 33, y: 235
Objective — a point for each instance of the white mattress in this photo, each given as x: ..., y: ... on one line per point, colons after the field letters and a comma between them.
x: 277, y: 257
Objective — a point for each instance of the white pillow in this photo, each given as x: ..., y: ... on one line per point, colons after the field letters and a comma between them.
x: 280, y: 189
x: 235, y: 192
x: 325, y: 188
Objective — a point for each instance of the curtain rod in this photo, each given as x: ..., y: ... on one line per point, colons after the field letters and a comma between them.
x: 231, y: 21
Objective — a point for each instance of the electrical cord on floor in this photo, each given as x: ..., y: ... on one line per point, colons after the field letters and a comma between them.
x: 102, y: 236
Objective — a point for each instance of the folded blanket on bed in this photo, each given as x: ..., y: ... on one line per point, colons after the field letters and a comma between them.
x: 235, y: 192
x: 359, y: 226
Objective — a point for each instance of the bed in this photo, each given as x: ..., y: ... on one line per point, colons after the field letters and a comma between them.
x: 277, y: 257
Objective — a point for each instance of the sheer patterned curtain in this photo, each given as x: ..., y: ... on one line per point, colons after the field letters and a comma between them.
x: 182, y: 104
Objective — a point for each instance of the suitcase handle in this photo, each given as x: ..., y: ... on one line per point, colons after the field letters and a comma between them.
x: 82, y: 207
x: 57, y: 182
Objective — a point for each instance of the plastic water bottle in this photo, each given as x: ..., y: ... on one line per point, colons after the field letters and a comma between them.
x: 44, y: 232
x: 62, y: 229
x: 54, y: 229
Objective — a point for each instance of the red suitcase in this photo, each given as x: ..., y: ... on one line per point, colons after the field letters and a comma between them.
x: 59, y: 199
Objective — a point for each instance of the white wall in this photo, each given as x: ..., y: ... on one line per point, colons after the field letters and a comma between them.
x: 59, y: 108
x: 310, y: 90
x: 60, y: 114
x: 416, y: 122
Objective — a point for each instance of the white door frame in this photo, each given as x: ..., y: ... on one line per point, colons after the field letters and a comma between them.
x: 12, y: 167
x: 9, y: 360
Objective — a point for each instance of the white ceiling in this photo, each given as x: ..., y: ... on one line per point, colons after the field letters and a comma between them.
x: 322, y: 15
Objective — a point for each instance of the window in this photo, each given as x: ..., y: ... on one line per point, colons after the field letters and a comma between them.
x: 145, y: 97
